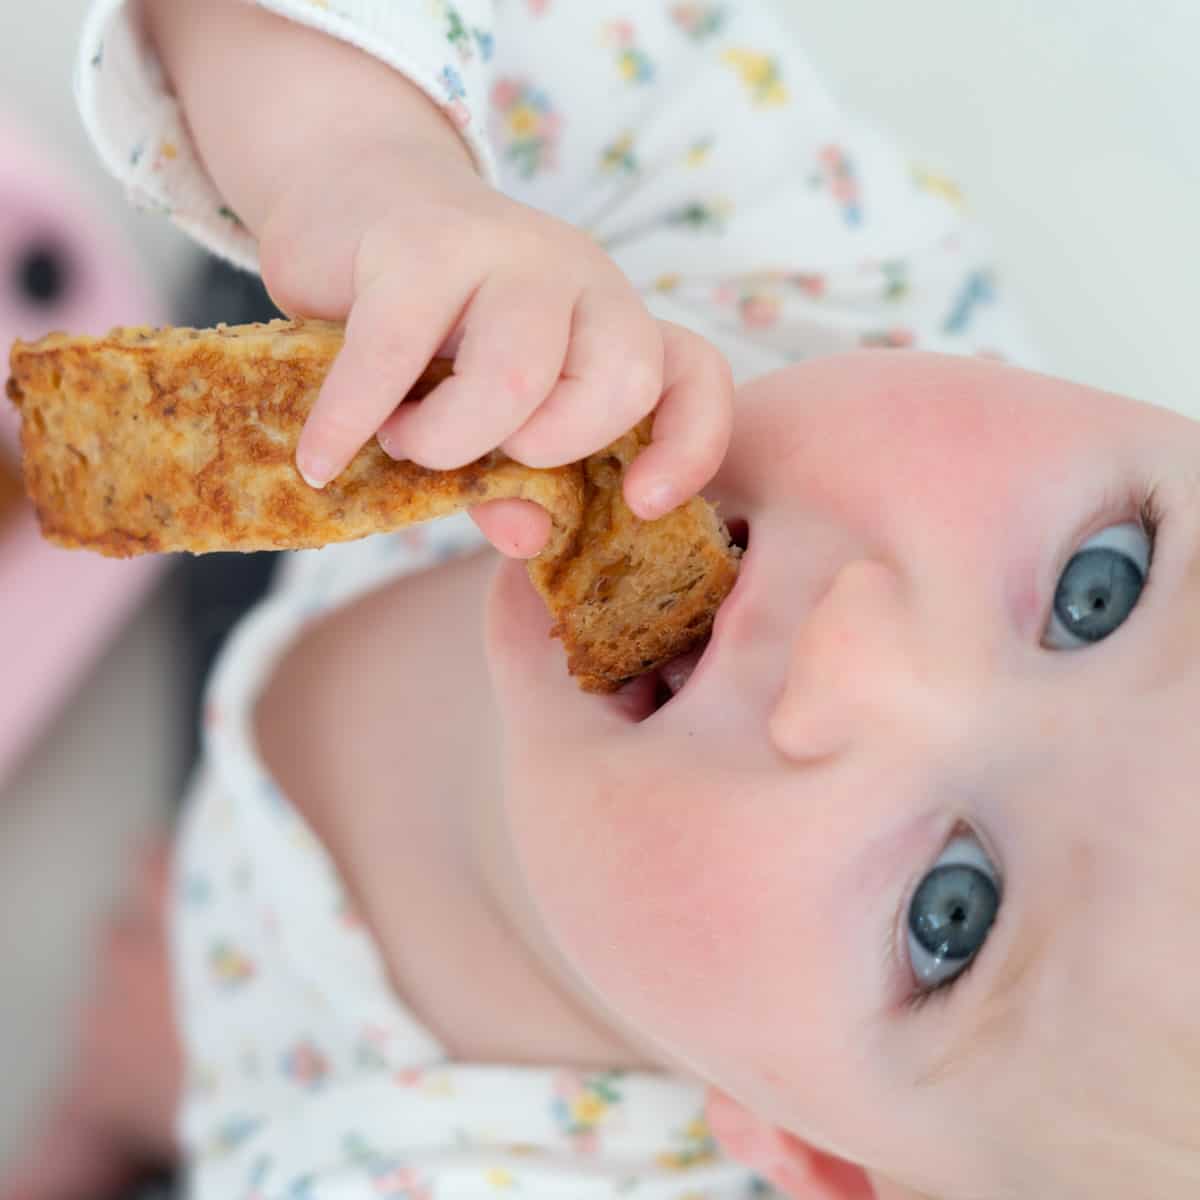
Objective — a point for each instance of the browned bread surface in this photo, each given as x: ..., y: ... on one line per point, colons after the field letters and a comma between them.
x: 177, y: 439
x: 631, y: 592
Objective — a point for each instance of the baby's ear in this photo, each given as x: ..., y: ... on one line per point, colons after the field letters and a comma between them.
x: 790, y: 1165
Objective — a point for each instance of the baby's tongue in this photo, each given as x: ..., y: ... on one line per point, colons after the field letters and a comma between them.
x: 679, y: 670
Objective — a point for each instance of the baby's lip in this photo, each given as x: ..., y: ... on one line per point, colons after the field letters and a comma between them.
x: 678, y: 671
x: 755, y: 624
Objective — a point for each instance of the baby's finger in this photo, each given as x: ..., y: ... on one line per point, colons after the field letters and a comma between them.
x: 517, y: 528
x: 388, y: 343
x: 611, y: 379
x: 692, y: 426
x: 513, y: 344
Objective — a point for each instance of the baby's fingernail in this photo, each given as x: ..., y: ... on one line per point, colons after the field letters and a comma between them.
x: 387, y: 446
x: 658, y: 500
x: 316, y: 472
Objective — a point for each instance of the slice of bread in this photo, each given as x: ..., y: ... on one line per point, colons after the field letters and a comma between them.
x: 184, y: 440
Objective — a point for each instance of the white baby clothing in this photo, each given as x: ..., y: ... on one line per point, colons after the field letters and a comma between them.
x: 697, y: 145
x: 694, y: 142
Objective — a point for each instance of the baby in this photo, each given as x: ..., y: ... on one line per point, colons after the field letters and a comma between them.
x: 857, y: 904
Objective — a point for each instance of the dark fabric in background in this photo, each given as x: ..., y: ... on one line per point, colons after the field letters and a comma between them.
x: 216, y: 589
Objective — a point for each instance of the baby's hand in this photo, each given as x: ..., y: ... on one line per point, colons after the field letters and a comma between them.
x: 555, y: 355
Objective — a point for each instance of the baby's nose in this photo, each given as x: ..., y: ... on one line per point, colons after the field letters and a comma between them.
x: 862, y: 666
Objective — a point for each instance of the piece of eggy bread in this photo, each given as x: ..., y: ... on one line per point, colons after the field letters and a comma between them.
x: 155, y: 440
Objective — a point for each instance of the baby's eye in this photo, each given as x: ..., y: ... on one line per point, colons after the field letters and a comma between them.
x: 1099, y: 587
x: 952, y: 912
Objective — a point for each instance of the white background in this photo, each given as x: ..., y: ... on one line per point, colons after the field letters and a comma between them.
x: 1066, y: 123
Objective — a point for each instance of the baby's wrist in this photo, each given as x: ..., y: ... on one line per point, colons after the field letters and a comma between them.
x: 361, y: 157
x: 379, y: 148
x: 324, y: 205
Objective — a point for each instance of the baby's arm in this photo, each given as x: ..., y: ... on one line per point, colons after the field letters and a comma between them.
x: 236, y: 70
x: 366, y: 206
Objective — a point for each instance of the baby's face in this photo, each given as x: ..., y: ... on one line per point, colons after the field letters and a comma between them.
x: 908, y: 865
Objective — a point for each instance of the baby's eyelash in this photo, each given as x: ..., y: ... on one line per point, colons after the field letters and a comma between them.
x: 1144, y: 502
x: 1151, y: 514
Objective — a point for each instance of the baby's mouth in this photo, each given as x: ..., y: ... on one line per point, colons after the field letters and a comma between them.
x: 671, y: 677
x: 642, y: 697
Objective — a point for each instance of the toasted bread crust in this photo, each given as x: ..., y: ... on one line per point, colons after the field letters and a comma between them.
x: 629, y: 595
x: 158, y: 440
x: 184, y: 440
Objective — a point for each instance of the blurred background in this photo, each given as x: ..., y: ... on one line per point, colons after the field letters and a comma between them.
x: 1065, y: 125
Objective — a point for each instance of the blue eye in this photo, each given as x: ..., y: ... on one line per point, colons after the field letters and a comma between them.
x: 1099, y: 587
x: 952, y: 912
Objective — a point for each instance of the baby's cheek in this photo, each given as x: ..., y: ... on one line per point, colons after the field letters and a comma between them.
x: 655, y: 901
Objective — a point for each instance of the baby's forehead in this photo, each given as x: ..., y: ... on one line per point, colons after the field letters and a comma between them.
x: 908, y: 378
x: 1096, y: 998
x: 1103, y: 881
x: 912, y: 425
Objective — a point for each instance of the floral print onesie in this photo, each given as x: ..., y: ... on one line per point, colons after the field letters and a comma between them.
x: 695, y: 142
